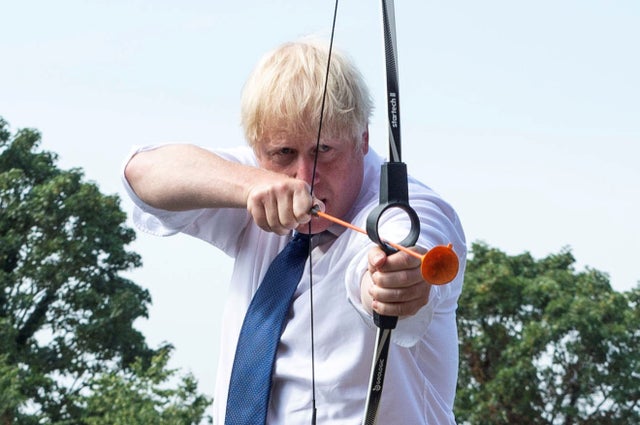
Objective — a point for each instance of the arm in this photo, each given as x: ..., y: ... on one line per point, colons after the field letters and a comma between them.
x: 185, y: 177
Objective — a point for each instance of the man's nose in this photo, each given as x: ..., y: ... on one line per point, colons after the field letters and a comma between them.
x: 304, y: 169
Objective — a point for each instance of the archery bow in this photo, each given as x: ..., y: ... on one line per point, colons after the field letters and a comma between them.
x: 394, y: 193
x: 438, y: 266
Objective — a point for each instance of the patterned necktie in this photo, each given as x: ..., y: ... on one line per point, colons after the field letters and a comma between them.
x: 253, y: 363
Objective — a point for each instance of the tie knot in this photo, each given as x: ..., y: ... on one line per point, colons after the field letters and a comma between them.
x: 301, y: 238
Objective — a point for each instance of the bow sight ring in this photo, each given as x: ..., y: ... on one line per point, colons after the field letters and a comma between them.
x: 394, y: 193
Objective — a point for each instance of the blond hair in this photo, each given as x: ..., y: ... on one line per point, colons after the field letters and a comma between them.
x: 283, y: 95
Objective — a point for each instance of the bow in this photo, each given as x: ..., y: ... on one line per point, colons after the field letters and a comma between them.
x: 438, y: 266
x: 394, y: 193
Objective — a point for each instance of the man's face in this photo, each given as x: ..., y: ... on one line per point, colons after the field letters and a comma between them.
x: 338, y: 174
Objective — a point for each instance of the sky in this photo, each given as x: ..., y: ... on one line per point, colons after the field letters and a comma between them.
x: 525, y: 115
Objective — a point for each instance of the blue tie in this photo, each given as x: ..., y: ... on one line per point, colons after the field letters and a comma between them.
x: 252, y: 366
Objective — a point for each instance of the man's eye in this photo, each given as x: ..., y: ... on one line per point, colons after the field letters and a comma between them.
x: 324, y: 148
x: 285, y: 151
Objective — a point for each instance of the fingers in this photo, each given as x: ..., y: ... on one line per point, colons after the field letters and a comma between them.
x: 281, y: 206
x: 397, y: 287
x: 380, y: 261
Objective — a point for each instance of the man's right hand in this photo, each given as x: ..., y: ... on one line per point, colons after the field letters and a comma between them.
x: 280, y: 206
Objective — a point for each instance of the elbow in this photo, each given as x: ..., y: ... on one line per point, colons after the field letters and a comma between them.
x: 135, y: 171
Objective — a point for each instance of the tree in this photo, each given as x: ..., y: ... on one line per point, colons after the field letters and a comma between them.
x: 66, y: 311
x: 142, y: 396
x: 10, y: 395
x: 543, y: 344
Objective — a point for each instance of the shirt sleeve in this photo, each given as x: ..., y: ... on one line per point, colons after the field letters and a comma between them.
x: 217, y: 226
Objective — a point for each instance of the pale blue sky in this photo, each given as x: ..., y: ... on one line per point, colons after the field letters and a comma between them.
x: 524, y: 114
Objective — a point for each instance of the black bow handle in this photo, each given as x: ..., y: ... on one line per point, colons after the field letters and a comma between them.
x: 394, y: 193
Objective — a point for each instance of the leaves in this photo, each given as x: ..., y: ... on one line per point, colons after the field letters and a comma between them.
x: 66, y: 311
x: 544, y: 344
x: 142, y: 396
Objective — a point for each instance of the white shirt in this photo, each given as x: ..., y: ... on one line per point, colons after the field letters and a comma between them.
x: 421, y: 377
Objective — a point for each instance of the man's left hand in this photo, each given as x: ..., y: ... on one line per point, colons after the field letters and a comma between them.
x: 393, y: 284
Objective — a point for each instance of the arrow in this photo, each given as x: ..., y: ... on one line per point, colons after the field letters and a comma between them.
x: 438, y: 266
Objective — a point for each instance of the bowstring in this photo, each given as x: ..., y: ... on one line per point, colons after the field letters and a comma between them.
x: 313, y: 179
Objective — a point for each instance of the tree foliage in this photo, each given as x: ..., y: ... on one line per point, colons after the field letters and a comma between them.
x: 142, y: 396
x: 543, y: 344
x: 66, y: 311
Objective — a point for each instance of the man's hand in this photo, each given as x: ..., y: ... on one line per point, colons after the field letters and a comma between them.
x: 281, y: 205
x: 393, y: 284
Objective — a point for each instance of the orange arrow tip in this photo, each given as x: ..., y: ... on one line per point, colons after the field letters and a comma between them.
x: 440, y: 265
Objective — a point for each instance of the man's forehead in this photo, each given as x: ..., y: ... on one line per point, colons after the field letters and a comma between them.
x: 297, y: 140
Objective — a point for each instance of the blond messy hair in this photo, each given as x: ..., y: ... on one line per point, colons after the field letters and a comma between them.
x: 283, y: 95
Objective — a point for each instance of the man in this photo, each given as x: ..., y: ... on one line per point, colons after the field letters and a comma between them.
x: 248, y: 201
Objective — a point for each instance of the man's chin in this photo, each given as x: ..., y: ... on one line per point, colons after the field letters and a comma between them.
x: 318, y: 225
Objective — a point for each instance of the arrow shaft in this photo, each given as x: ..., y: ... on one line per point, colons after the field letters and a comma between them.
x: 358, y: 229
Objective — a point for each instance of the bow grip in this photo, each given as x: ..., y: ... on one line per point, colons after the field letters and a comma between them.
x: 394, y: 193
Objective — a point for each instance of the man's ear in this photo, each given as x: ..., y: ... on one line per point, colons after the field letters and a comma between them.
x: 365, y: 141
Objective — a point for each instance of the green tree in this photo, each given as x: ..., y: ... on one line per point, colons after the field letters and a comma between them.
x: 10, y: 395
x: 543, y: 344
x: 66, y: 311
x: 144, y: 395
